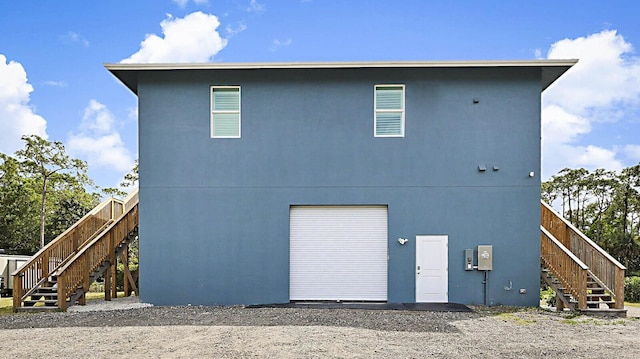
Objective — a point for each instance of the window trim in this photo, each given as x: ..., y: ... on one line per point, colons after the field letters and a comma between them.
x: 213, y: 112
x: 376, y: 110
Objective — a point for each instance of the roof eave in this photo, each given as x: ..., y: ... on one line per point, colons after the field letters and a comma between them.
x: 128, y: 73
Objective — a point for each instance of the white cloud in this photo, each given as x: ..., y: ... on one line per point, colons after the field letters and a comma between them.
x: 98, y: 140
x: 560, y: 130
x: 537, y: 53
x: 232, y: 31
x: 190, y: 39
x: 133, y: 114
x: 280, y: 43
x: 255, y: 6
x: 183, y: 3
x: 72, y: 37
x: 55, y: 83
x: 559, y: 125
x: 605, y: 74
x: 603, y: 87
x: 632, y: 152
x: 17, y: 117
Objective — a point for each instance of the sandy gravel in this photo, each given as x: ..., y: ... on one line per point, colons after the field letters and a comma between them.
x: 235, y: 332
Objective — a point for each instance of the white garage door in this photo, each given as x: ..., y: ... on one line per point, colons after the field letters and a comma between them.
x: 338, y: 253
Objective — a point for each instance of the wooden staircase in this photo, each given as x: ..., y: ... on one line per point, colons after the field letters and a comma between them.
x: 585, y: 277
x: 60, y: 274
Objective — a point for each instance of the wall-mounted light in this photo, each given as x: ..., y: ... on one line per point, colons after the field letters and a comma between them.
x: 402, y: 240
x: 531, y: 174
x: 476, y: 100
x: 482, y: 168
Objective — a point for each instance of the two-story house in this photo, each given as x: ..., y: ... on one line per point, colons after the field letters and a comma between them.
x: 361, y: 181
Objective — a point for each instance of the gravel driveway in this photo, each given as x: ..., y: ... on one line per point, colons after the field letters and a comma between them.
x: 236, y: 332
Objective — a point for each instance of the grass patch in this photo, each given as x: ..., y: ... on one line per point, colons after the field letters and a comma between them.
x: 635, y: 305
x: 586, y: 320
x: 6, y: 305
x: 507, y: 317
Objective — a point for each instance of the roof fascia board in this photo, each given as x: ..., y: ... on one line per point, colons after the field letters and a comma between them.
x: 336, y: 65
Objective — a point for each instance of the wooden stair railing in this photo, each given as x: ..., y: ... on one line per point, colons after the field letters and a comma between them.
x: 603, y: 268
x: 47, y: 260
x: 77, y: 273
x: 569, y: 269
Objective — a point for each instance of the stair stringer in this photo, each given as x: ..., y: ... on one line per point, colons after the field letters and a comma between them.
x: 102, y: 269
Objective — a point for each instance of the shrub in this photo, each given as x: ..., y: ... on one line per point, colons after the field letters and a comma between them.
x: 548, y: 296
x: 632, y: 289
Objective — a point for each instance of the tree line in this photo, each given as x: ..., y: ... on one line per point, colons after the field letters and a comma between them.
x: 43, y: 191
x: 604, y: 205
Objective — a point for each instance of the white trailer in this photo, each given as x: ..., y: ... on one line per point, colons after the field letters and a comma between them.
x: 8, y: 264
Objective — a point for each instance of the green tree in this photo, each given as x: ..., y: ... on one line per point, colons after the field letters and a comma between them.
x: 602, y: 186
x: 66, y: 206
x: 604, y: 205
x: 131, y: 178
x: 18, y: 209
x: 49, y: 164
x: 569, y: 185
x: 623, y: 218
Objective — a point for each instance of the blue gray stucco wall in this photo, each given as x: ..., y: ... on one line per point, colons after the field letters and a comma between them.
x: 214, y: 213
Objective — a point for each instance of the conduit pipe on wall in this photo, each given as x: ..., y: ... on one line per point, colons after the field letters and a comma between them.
x: 484, y: 287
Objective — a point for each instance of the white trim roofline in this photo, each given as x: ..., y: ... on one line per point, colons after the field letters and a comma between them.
x: 127, y: 72
x: 336, y: 65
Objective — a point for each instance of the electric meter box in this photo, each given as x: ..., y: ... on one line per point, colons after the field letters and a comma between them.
x: 468, y: 259
x: 485, y: 257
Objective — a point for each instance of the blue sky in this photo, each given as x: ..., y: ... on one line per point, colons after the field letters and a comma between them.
x: 53, y: 83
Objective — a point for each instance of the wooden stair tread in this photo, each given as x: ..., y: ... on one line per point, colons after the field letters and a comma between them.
x: 47, y: 301
x: 48, y: 294
x: 601, y: 302
x: 31, y: 304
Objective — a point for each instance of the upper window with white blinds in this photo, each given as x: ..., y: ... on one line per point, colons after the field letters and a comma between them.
x: 389, y: 111
x: 225, y: 112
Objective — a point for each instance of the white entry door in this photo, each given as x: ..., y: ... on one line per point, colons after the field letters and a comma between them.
x: 432, y: 261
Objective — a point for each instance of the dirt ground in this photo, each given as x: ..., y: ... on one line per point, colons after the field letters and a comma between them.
x: 236, y: 332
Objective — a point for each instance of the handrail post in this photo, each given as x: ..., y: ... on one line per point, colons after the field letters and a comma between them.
x: 17, y: 292
x: 44, y: 269
x: 124, y: 258
x: 85, y: 281
x: 62, y: 297
x: 113, y: 260
x: 582, y: 292
x: 619, y: 274
x: 107, y: 283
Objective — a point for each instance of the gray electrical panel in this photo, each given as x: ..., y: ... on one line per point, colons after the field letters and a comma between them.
x: 485, y: 257
x: 468, y: 259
